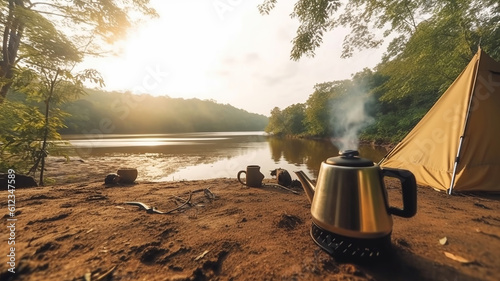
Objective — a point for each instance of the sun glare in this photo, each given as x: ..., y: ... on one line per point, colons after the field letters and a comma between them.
x: 171, y: 55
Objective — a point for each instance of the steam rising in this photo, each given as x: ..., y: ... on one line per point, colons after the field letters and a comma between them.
x: 350, y: 117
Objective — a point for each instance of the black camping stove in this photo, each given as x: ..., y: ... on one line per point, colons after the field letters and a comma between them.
x: 349, y: 248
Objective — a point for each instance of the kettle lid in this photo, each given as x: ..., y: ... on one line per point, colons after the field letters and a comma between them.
x: 349, y: 158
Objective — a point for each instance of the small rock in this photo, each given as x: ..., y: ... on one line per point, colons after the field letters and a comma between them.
x: 443, y: 241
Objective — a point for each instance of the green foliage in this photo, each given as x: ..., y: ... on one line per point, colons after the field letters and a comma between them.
x: 294, y: 116
x: 28, y: 133
x: 314, y: 17
x: 430, y: 61
x: 113, y: 112
x: 276, y: 123
x: 371, y: 21
x: 287, y: 122
x: 61, y: 32
x: 44, y: 41
x: 22, y: 127
x: 319, y: 116
x: 327, y: 110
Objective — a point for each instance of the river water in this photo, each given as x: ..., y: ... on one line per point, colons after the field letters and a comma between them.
x: 194, y: 156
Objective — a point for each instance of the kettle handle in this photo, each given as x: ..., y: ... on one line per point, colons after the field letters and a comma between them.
x: 409, y: 186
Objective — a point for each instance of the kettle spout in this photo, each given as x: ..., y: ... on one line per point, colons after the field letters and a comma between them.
x: 307, y: 184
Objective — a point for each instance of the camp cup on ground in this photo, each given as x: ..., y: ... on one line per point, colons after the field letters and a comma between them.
x: 253, y: 176
x: 127, y: 175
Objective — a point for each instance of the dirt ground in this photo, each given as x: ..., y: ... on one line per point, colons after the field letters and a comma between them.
x: 85, y: 231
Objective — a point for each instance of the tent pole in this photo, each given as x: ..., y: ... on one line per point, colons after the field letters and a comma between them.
x: 457, y: 158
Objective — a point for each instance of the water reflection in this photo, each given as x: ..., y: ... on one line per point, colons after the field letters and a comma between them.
x: 301, y: 151
x: 207, y: 144
x: 312, y: 152
x: 206, y: 155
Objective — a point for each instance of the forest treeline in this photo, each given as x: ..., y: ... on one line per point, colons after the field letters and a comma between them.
x: 433, y: 41
x: 115, y: 112
x: 361, y: 107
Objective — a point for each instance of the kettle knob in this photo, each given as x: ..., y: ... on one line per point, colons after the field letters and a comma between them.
x: 349, y: 153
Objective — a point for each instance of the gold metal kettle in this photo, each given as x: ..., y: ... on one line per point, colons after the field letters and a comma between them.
x: 349, y: 204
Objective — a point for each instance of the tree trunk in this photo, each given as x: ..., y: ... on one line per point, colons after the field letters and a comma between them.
x: 46, y: 131
x: 12, y: 34
x: 44, y: 144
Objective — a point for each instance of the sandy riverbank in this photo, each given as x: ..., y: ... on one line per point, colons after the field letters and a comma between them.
x: 65, y: 232
x: 61, y: 170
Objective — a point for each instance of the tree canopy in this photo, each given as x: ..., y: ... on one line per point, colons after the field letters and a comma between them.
x: 60, y: 31
x: 372, y: 21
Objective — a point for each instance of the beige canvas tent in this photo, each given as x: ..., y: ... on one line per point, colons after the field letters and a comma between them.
x: 456, y: 145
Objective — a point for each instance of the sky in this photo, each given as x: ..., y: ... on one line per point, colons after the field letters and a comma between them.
x: 225, y: 50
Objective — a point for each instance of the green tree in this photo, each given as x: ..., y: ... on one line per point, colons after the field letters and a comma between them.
x: 433, y: 57
x: 287, y: 122
x: 371, y: 21
x: 318, y: 114
x: 315, y: 19
x: 20, y: 131
x: 276, y: 123
x: 336, y: 107
x: 60, y: 30
x: 52, y: 86
x: 294, y: 117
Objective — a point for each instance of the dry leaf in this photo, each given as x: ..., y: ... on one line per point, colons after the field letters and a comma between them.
x: 443, y: 241
x: 201, y: 256
x: 456, y: 258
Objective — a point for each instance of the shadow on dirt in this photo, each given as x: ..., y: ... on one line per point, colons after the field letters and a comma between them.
x: 404, y: 265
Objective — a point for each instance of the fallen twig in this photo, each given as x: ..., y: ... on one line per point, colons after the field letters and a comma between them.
x: 177, y: 199
x: 182, y: 205
x: 156, y: 211
x: 105, y: 274
x: 283, y: 187
x: 145, y: 207
x: 88, y: 275
x: 209, y: 193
